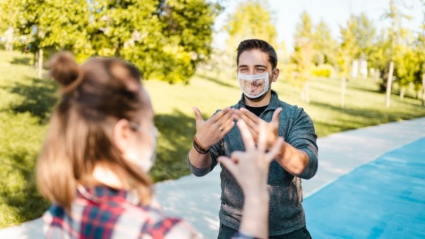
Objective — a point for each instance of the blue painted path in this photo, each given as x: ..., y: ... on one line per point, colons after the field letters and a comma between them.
x: 381, y: 199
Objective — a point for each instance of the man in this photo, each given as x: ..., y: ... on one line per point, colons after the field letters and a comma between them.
x: 218, y: 136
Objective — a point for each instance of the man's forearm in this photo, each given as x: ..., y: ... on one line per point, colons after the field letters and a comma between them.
x: 199, y: 160
x: 292, y: 159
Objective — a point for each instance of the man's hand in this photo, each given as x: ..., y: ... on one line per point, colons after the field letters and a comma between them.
x: 253, y: 123
x: 211, y: 131
x: 251, y: 168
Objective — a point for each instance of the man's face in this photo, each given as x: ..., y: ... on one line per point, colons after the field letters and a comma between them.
x: 254, y: 62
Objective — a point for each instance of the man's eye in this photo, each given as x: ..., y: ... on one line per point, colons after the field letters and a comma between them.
x: 243, y: 70
x: 260, y: 69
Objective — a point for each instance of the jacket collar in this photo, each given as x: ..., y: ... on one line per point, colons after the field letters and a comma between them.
x: 273, y: 105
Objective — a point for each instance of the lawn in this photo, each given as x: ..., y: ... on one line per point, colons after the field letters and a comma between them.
x: 26, y: 104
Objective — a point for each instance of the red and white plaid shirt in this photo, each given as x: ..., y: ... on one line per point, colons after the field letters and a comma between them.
x: 107, y: 213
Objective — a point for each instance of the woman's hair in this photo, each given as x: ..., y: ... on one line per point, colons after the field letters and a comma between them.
x: 94, y: 96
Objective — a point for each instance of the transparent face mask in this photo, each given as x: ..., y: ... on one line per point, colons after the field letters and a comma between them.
x: 254, y: 86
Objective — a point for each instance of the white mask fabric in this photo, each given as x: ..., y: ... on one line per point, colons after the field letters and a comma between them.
x: 254, y: 86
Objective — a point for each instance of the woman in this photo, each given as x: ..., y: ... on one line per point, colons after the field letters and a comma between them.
x: 101, y: 144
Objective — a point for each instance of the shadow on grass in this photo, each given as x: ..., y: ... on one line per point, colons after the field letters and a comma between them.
x: 212, y: 79
x: 363, y: 118
x: 174, y: 142
x: 357, y: 88
x: 21, y: 61
x: 39, y: 97
x: 24, y: 201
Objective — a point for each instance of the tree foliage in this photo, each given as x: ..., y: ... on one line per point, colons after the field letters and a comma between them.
x: 252, y: 19
x: 165, y: 39
x: 49, y: 25
x: 304, y: 48
x: 325, y: 45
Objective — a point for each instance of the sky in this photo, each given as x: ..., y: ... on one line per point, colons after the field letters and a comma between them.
x: 334, y: 12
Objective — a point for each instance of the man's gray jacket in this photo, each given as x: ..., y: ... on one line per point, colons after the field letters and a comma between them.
x: 286, y: 212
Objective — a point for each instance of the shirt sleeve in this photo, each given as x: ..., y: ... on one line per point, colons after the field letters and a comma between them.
x: 215, y: 151
x: 303, y: 137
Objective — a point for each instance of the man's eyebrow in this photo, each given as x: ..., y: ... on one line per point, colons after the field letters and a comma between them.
x: 254, y: 66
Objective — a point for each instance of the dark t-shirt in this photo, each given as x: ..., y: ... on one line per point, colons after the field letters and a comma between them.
x: 256, y: 110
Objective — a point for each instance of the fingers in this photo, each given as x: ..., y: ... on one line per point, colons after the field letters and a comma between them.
x: 253, y: 126
x: 276, y: 114
x: 250, y: 115
x: 262, y: 138
x: 217, y: 117
x: 228, y: 115
x: 275, y: 149
x: 227, y: 126
x: 229, y: 164
x: 198, y: 115
x: 246, y: 136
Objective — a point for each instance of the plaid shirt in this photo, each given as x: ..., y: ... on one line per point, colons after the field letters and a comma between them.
x: 102, y: 212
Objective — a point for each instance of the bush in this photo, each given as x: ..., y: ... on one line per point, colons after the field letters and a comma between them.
x: 322, y: 71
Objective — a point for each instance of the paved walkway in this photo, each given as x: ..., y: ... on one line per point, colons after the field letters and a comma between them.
x: 198, y: 199
x: 381, y: 199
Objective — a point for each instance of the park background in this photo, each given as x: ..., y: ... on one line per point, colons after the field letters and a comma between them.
x: 349, y: 64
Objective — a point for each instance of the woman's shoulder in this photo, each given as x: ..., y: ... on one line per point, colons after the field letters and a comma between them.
x: 124, y: 220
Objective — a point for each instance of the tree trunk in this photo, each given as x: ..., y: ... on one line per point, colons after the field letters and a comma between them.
x: 343, y: 80
x: 389, y: 82
x: 423, y: 90
x: 40, y: 62
x: 9, y: 39
x: 305, y: 93
x: 402, y: 92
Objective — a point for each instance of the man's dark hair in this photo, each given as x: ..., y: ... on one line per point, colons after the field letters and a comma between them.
x: 261, y: 45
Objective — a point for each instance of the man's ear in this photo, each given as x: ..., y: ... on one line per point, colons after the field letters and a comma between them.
x: 275, y: 74
x: 121, y: 134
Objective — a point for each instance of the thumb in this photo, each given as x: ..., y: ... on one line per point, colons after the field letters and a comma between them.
x: 276, y: 114
x: 198, y: 115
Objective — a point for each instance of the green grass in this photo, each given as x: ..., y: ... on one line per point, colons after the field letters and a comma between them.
x: 26, y: 104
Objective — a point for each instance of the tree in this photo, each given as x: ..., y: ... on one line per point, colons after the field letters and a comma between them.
x: 303, y: 54
x: 396, y: 35
x: 50, y: 25
x: 343, y: 65
x: 251, y: 19
x: 7, y: 13
x: 325, y: 45
x: 420, y: 56
x: 408, y: 67
x: 358, y: 38
x: 165, y: 39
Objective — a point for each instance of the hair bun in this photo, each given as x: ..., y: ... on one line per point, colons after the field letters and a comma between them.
x: 64, y: 69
